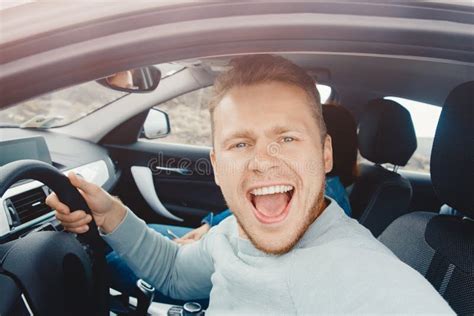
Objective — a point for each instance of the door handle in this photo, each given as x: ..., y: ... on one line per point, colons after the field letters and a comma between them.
x: 181, y: 171
x: 144, y: 180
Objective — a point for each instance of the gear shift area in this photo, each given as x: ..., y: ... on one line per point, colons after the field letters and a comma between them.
x: 143, y: 304
x: 145, y: 294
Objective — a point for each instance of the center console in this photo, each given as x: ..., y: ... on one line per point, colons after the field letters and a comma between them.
x: 123, y: 305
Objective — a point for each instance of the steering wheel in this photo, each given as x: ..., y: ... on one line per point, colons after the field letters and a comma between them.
x: 58, y: 273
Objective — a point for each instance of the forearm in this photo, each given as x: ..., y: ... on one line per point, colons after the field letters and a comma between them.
x: 177, y: 272
x: 114, y: 217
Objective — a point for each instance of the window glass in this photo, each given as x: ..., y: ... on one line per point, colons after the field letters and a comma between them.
x: 425, y: 119
x: 190, y: 120
x: 60, y: 107
x: 324, y: 92
x: 67, y: 105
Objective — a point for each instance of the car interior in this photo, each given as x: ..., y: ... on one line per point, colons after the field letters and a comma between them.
x: 132, y: 141
x: 386, y: 135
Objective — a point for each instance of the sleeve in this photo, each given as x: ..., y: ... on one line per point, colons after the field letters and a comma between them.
x: 182, y: 272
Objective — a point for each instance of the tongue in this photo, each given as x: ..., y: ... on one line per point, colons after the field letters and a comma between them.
x: 271, y: 204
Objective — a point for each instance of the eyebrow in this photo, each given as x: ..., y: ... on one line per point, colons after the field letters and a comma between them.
x: 281, y: 129
x: 238, y: 134
x: 246, y: 134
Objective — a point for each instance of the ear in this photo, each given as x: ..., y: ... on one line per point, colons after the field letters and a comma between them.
x: 212, y: 156
x: 327, y: 154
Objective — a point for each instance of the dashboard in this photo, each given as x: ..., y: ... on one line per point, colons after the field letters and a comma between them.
x: 22, y: 207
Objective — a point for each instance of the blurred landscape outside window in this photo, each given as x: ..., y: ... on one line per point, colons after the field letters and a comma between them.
x: 59, y: 108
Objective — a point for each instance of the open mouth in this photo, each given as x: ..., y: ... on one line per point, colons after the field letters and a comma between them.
x: 271, y: 204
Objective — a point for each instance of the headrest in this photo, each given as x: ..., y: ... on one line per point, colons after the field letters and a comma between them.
x: 452, y: 156
x: 386, y: 133
x: 342, y: 128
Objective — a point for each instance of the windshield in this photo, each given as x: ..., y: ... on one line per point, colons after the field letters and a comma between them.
x: 68, y: 105
x: 60, y: 107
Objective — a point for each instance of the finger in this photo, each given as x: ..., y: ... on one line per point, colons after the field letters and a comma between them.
x: 71, y: 217
x: 184, y: 241
x: 80, y: 183
x: 78, y: 224
x: 78, y: 230
x: 198, y: 236
x: 53, y: 202
x: 192, y: 234
x: 186, y: 236
x: 84, y: 195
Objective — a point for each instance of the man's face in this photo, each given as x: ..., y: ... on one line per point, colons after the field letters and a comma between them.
x: 269, y: 162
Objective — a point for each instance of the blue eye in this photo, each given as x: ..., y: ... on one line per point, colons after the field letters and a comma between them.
x: 240, y: 145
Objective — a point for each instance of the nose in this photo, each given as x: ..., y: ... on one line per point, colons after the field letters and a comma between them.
x: 264, y: 158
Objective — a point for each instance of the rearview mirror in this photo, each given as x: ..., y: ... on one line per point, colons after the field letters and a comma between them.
x: 156, y: 124
x: 138, y: 80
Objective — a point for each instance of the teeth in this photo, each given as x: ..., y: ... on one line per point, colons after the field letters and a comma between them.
x: 272, y: 189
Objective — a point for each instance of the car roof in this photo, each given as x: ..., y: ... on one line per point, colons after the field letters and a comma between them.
x: 419, y: 50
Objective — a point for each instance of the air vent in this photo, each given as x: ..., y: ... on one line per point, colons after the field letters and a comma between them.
x: 29, y: 205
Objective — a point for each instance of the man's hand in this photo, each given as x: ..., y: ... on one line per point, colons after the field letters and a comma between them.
x: 107, y: 210
x: 193, y: 235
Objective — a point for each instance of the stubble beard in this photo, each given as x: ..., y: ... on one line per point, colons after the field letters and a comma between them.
x: 316, y: 209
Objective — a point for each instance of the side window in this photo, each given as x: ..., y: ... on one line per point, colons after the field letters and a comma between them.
x: 324, y: 92
x: 190, y: 120
x: 425, y: 119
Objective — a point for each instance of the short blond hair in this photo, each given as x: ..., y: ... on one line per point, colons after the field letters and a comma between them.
x: 254, y: 69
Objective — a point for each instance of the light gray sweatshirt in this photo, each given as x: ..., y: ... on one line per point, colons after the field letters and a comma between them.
x: 337, y: 267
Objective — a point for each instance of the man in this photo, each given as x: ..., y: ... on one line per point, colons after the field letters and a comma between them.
x: 288, y: 249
